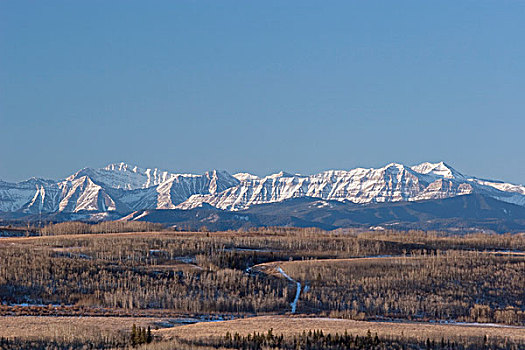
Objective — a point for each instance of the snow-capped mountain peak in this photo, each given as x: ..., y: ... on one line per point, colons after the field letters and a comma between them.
x: 245, y: 177
x: 440, y: 169
x: 279, y: 175
x: 121, y: 167
x: 124, y: 188
x: 124, y: 176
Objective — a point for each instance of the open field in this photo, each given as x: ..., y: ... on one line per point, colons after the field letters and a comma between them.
x: 52, y: 332
x: 34, y: 239
x: 29, y: 327
x: 271, y: 267
x: 117, y: 329
x: 290, y: 326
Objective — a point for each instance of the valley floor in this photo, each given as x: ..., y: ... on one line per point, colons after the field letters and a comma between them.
x: 294, y: 325
x: 81, y: 328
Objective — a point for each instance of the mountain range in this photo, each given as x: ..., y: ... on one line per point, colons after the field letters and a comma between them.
x: 122, y: 191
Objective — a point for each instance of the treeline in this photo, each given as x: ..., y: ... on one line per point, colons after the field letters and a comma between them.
x: 78, y: 341
x: 430, y: 240
x: 452, y: 285
x: 43, y: 278
x: 181, y: 272
x: 440, y: 241
x: 77, y: 227
x: 219, y: 247
x: 311, y: 340
x: 317, y: 340
x: 140, y: 335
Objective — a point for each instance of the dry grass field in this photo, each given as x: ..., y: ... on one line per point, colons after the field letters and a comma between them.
x: 288, y: 326
x: 33, y: 239
x: 68, y: 329
x: 30, y: 327
x: 271, y: 267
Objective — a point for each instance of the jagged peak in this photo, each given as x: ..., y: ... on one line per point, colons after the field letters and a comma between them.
x: 217, y: 173
x: 122, y: 166
x: 220, y: 180
x: 36, y: 180
x: 79, y: 174
x: 84, y: 179
x: 246, y: 177
x: 440, y: 169
x: 279, y: 175
x: 397, y: 166
x: 141, y: 188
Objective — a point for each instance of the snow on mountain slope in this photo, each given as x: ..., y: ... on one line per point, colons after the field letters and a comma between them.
x: 180, y: 187
x: 124, y: 188
x: 502, y: 186
x: 503, y: 191
x: 392, y: 183
x: 83, y: 194
x: 245, y: 177
x: 117, y: 187
x: 14, y: 196
x: 440, y: 169
x: 45, y: 199
x: 124, y: 176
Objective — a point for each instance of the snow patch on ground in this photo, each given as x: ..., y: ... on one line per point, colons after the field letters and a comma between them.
x: 297, y: 293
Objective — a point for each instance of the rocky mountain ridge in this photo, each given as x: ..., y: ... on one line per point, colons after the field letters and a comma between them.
x: 123, y: 188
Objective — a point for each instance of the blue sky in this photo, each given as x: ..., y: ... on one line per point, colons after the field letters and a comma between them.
x: 300, y: 86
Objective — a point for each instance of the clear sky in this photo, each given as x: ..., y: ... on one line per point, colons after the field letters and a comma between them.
x: 261, y: 86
